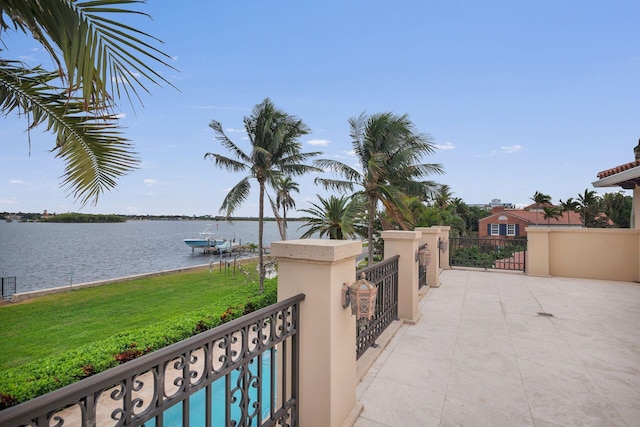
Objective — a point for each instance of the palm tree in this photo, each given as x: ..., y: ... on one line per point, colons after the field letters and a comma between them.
x: 551, y: 212
x: 275, y: 152
x: 388, y: 149
x: 569, y: 206
x: 590, y: 209
x: 284, y: 186
x: 443, y: 196
x: 540, y: 200
x: 335, y: 217
x: 97, y: 60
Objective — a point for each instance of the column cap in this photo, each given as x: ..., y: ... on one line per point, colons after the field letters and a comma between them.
x: 428, y: 230
x: 318, y: 250
x: 400, y: 235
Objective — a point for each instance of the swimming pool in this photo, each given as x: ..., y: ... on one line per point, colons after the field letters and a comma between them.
x: 197, y: 401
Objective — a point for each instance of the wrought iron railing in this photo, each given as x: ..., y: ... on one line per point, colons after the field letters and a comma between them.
x: 385, y: 275
x: 242, y: 373
x: 7, y: 286
x: 488, y: 253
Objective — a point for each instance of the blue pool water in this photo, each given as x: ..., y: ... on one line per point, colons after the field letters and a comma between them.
x: 173, y: 415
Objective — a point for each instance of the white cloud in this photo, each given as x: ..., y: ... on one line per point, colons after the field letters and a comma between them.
x: 121, y: 115
x: 510, y: 149
x: 447, y: 146
x: 320, y: 142
x: 17, y: 181
x: 153, y: 182
x: 232, y: 130
x: 491, y: 154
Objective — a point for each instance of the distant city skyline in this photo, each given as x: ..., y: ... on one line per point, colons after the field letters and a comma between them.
x: 518, y: 97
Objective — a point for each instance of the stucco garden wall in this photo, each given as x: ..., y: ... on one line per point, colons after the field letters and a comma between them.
x: 590, y: 253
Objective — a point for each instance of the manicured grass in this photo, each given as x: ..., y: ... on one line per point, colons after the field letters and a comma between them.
x: 54, y: 324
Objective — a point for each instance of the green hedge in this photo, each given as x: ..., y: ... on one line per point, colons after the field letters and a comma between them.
x: 45, y: 375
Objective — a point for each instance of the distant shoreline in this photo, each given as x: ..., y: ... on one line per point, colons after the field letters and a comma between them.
x: 38, y: 217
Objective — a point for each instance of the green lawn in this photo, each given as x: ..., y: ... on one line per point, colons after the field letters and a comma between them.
x: 54, y: 324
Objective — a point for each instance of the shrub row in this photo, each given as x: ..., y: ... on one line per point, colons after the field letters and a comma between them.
x: 45, y: 375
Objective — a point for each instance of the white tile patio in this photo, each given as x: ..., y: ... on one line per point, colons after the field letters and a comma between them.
x: 482, y: 355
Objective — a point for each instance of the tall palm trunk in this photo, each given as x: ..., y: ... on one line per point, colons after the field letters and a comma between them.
x: 372, y: 215
x: 260, y: 232
x: 284, y: 223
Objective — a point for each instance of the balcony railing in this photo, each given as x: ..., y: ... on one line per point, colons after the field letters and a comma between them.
x: 242, y: 373
x: 385, y: 275
x: 488, y: 252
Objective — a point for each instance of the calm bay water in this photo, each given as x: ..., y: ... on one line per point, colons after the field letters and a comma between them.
x: 47, y: 255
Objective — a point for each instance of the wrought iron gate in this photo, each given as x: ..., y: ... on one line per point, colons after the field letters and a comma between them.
x: 501, y: 254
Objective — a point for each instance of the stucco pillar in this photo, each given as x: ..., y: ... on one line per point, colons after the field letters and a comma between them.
x: 430, y: 236
x: 318, y: 268
x: 405, y: 244
x: 445, y: 231
x: 538, y: 251
x: 635, y: 209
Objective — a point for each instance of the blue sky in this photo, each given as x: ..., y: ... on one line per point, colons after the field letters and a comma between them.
x: 518, y: 96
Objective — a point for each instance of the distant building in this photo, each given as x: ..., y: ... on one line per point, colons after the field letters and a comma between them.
x: 507, y: 223
x: 493, y: 203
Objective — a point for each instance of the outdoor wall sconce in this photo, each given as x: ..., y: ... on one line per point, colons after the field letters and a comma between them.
x: 424, y: 257
x: 443, y: 245
x: 361, y: 296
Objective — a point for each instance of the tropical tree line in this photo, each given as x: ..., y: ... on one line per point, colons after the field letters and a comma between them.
x: 595, y: 210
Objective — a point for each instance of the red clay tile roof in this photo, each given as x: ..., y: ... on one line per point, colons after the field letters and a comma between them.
x: 567, y: 218
x: 618, y: 169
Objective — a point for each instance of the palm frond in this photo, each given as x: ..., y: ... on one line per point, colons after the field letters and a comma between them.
x: 339, y: 168
x: 334, y: 184
x: 96, y: 51
x: 88, y: 140
x: 297, y: 169
x: 280, y: 221
x: 235, y: 197
x: 227, y: 143
x: 227, y: 163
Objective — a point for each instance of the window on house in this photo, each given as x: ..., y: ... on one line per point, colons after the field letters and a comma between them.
x: 495, y: 229
x: 511, y: 229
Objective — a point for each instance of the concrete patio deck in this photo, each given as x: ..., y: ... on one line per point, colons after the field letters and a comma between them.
x: 482, y: 355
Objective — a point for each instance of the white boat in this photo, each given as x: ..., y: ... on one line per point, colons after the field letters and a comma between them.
x: 226, y: 246
x: 208, y: 239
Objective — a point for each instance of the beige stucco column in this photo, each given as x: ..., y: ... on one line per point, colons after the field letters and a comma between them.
x: 405, y: 244
x: 318, y: 268
x: 635, y: 218
x: 538, y: 251
x: 430, y: 236
x: 445, y: 231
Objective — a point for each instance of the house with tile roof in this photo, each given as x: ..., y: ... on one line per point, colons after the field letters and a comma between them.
x: 626, y: 176
x: 512, y: 223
